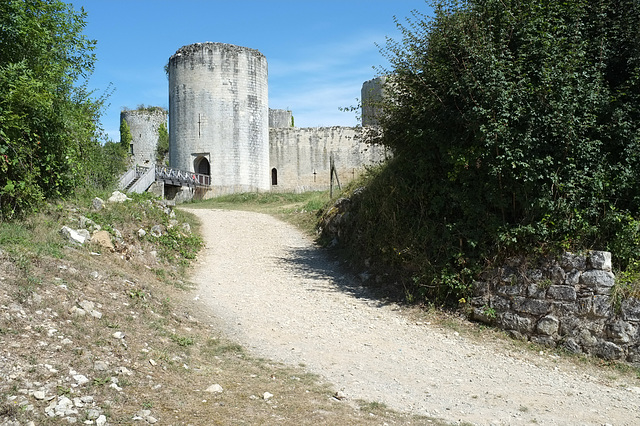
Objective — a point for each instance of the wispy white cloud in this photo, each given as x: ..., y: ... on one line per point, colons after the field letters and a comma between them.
x: 314, y: 83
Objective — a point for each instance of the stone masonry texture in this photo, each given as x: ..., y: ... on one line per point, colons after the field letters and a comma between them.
x: 301, y: 156
x: 565, y: 302
x: 218, y: 113
x: 144, y: 125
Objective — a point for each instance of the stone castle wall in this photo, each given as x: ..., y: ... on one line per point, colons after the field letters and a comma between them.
x: 561, y: 303
x: 144, y: 125
x: 300, y: 157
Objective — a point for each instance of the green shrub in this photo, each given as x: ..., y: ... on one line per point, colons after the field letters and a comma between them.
x: 515, y: 127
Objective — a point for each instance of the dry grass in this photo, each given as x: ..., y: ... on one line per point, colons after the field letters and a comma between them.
x: 171, y: 352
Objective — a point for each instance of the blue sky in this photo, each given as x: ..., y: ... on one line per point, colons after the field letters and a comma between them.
x: 319, y: 52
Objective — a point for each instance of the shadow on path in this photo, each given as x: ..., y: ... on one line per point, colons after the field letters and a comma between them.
x: 316, y: 263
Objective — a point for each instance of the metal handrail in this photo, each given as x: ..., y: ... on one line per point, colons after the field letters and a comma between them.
x: 188, y: 178
x: 127, y: 178
x: 146, y: 176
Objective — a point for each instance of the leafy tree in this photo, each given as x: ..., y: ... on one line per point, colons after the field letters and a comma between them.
x: 48, y: 126
x: 163, y: 143
x: 125, y: 135
x: 515, y: 126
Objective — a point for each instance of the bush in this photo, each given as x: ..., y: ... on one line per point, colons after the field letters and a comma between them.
x: 515, y: 128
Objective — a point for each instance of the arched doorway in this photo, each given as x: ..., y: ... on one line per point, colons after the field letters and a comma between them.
x: 201, y: 166
x: 274, y: 176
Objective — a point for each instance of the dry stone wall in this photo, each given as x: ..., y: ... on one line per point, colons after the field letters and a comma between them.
x: 561, y: 303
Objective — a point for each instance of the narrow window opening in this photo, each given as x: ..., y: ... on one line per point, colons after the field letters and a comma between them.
x: 274, y: 176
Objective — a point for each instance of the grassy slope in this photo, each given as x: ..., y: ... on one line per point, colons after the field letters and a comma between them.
x: 170, y: 353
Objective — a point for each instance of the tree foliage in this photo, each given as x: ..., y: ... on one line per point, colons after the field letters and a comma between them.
x: 125, y: 134
x: 163, y: 143
x: 48, y: 122
x: 515, y: 126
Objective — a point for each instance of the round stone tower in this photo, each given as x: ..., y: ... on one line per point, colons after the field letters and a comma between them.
x: 372, y: 95
x: 144, y: 123
x: 219, y: 115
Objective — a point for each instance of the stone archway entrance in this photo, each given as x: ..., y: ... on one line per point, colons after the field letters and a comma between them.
x: 201, y: 166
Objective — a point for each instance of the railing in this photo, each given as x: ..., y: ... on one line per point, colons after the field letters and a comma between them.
x: 139, y: 179
x: 146, y: 176
x: 127, y: 178
x: 175, y: 176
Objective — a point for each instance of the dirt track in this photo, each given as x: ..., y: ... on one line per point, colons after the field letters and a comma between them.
x: 283, y: 298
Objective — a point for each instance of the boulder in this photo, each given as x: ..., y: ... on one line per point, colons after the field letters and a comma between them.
x: 118, y: 197
x: 103, y: 239
x: 97, y: 204
x: 74, y: 236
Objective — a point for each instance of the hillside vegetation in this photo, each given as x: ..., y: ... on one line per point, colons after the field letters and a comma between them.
x: 515, y: 129
x: 112, y: 335
x: 51, y: 142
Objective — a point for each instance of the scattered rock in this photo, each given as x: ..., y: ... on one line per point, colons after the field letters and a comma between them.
x: 146, y: 416
x: 118, y: 197
x: 97, y: 204
x: 86, y: 223
x: 214, y: 389
x: 103, y: 239
x: 114, y: 384
x: 141, y: 233
x: 93, y: 414
x: 124, y: 371
x: 340, y: 396
x: 73, y: 236
x: 267, y: 396
x: 158, y: 230
x: 80, y: 379
x: 186, y: 228
x: 100, y: 366
x: 77, y: 312
x: 87, y: 305
x: 85, y: 234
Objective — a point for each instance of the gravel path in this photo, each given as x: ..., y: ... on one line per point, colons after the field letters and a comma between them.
x: 283, y: 298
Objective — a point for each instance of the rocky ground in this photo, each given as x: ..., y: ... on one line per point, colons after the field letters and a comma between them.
x: 104, y: 331
x: 273, y: 291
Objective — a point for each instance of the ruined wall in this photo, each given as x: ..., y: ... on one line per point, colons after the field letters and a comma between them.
x: 280, y: 118
x: 144, y: 125
x: 218, y: 115
x: 300, y: 157
x: 565, y: 302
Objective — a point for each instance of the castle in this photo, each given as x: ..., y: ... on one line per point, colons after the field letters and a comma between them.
x: 220, y: 125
